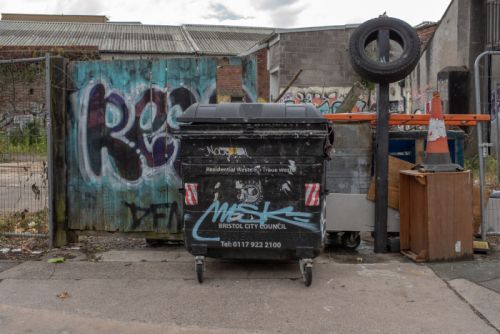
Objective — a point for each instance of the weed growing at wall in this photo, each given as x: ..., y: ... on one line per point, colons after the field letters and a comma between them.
x: 472, y: 164
x: 25, y: 222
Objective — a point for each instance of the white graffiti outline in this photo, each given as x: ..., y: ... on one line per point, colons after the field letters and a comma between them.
x: 148, y: 174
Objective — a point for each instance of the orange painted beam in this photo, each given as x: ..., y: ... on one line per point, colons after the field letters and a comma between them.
x: 351, y: 117
x: 399, y: 119
x: 449, y: 123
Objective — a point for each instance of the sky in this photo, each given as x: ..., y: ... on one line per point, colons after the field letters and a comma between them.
x: 254, y: 13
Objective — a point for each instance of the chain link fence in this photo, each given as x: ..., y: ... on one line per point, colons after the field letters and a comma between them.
x: 24, y: 121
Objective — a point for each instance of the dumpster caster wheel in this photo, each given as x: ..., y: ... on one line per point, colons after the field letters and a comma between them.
x: 199, y: 272
x: 306, y: 269
x: 308, y: 276
x: 200, y: 267
x: 350, y: 240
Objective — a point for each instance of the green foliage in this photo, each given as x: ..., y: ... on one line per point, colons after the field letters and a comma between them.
x: 22, y: 72
x: 490, y: 167
x: 31, y: 138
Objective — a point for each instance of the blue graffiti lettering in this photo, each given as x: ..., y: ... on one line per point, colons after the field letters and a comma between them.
x: 236, y: 212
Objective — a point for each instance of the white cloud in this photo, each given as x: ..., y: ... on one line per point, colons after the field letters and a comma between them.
x: 266, y: 13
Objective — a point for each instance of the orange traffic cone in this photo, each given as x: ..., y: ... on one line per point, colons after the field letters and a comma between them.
x: 437, y: 154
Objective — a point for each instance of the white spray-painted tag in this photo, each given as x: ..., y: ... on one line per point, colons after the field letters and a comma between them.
x: 458, y: 247
x: 436, y: 129
x: 292, y: 166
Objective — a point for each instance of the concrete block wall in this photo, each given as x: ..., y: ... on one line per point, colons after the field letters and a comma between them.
x: 322, y: 55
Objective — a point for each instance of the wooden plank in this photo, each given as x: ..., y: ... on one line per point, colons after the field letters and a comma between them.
x: 419, y: 151
x: 143, y: 234
x: 412, y: 256
x: 418, y: 217
x: 58, y: 117
x: 404, y: 211
x: 395, y: 165
x: 450, y: 216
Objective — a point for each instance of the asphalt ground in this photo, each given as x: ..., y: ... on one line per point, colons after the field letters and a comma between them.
x: 155, y: 290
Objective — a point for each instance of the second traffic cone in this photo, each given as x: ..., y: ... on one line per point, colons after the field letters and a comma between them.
x: 437, y: 154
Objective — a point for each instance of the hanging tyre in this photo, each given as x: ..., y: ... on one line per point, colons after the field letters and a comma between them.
x: 384, y: 72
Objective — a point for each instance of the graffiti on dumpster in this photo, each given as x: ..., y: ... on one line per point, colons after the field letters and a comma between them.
x: 233, y: 217
x: 227, y: 151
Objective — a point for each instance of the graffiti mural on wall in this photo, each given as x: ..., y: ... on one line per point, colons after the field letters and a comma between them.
x: 421, y: 99
x: 123, y: 174
x: 327, y: 100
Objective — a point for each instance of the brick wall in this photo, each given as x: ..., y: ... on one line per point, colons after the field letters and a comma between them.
x: 262, y: 76
x: 24, y: 97
x: 229, y: 80
x: 322, y: 55
x: 229, y: 77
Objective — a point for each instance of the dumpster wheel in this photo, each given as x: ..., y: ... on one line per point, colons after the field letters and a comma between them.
x: 350, y: 240
x: 200, y: 267
x: 306, y: 270
x: 199, y: 272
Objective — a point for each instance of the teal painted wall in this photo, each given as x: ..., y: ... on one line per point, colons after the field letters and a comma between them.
x: 121, y: 162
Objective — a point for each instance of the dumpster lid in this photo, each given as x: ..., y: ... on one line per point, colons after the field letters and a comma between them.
x: 251, y: 113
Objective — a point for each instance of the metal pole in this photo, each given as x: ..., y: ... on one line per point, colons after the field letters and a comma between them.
x: 24, y: 60
x: 382, y: 150
x: 498, y: 132
x: 49, y: 149
x: 24, y: 235
x: 480, y: 135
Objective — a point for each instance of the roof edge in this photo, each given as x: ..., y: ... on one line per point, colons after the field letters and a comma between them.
x: 339, y: 27
x: 255, y: 48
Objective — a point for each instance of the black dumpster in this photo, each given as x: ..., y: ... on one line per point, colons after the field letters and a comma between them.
x: 253, y: 182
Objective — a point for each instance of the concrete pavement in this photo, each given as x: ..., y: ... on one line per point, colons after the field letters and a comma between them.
x: 155, y: 290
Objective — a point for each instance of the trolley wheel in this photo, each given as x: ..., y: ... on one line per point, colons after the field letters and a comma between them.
x: 308, y: 276
x: 349, y: 242
x: 199, y: 272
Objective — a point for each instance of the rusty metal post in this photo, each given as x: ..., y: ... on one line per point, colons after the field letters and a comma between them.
x: 382, y: 150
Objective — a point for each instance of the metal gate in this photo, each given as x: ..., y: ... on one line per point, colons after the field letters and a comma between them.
x: 24, y: 136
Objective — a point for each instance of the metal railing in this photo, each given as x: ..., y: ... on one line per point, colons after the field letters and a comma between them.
x: 490, y: 223
x: 493, y: 23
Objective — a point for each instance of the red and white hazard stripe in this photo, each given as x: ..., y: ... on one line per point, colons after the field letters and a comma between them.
x: 312, y: 194
x: 191, y: 193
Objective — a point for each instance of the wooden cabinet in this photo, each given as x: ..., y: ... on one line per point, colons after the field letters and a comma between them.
x: 436, y: 215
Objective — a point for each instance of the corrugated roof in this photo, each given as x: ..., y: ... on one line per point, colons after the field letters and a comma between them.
x: 109, y: 37
x: 224, y: 40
